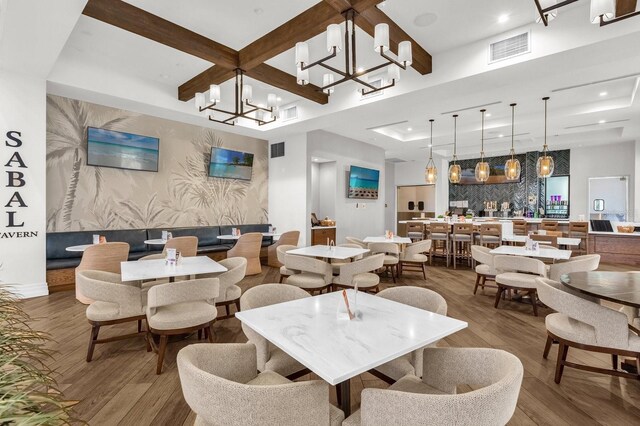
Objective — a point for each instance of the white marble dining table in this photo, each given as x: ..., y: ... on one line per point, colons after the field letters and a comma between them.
x: 545, y: 253
x: 329, y: 252
x: 157, y: 268
x: 81, y: 247
x: 382, y: 239
x: 312, y: 331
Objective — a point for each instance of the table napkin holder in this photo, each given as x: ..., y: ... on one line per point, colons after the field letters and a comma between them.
x: 342, y: 313
x: 171, y: 258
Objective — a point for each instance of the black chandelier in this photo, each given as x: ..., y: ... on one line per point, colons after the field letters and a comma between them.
x: 602, y: 12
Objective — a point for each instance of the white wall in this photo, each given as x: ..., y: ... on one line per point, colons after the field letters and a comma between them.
x: 351, y: 221
x: 289, y: 185
x: 390, y: 196
x: 327, y: 190
x: 23, y: 109
x: 600, y: 161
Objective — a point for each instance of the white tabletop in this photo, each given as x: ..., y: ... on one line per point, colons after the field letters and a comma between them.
x: 395, y: 239
x: 542, y: 252
x: 329, y: 252
x: 561, y: 240
x: 157, y: 241
x: 157, y: 268
x: 235, y: 237
x: 82, y: 247
x: 335, y: 349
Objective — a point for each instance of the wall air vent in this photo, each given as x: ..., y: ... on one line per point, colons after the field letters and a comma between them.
x: 277, y: 150
x: 395, y: 160
x: 509, y: 48
x: 288, y: 112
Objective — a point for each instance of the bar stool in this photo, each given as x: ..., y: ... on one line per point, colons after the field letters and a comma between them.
x: 548, y: 225
x: 415, y: 231
x: 490, y: 235
x: 519, y: 227
x: 462, y: 239
x: 439, y: 233
x: 580, y: 230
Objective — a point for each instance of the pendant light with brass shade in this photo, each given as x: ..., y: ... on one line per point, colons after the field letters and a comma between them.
x: 545, y: 164
x: 512, y: 166
x: 482, y: 167
x: 455, y: 171
x: 431, y: 172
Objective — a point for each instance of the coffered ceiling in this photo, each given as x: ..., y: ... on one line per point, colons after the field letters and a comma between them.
x: 102, y: 61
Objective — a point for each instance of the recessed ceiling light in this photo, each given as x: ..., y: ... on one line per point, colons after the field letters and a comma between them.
x: 503, y: 18
x: 360, y: 69
x: 429, y: 146
x: 165, y: 76
x: 279, y: 98
x: 258, y: 11
x: 602, y: 121
x: 425, y: 19
x: 314, y: 159
x: 603, y: 93
x: 409, y: 129
x: 501, y: 136
x: 488, y: 114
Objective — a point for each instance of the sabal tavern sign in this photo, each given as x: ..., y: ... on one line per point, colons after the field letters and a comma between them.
x: 14, y: 206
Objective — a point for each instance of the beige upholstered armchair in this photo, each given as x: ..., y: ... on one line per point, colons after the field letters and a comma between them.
x: 414, y: 258
x: 495, y: 375
x: 113, y: 302
x: 337, y: 263
x: 229, y: 290
x: 484, y: 266
x: 101, y: 257
x: 586, y: 325
x: 289, y: 238
x: 391, y: 253
x: 357, y: 241
x: 518, y: 273
x: 186, y: 246
x: 269, y: 356
x: 411, y: 363
x: 315, y: 275
x: 220, y: 384
x: 584, y: 263
x: 360, y: 273
x: 248, y: 246
x: 179, y: 308
x: 284, y: 272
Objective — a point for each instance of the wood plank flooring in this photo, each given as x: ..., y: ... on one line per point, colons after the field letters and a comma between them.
x: 120, y: 385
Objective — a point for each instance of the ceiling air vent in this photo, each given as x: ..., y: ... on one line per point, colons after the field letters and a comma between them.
x: 510, y: 47
x: 289, y: 112
x: 395, y: 160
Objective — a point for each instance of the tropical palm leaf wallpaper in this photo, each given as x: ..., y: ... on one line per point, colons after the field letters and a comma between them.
x: 82, y: 197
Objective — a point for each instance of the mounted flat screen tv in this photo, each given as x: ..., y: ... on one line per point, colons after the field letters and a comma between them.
x: 363, y: 183
x: 121, y: 150
x: 228, y: 164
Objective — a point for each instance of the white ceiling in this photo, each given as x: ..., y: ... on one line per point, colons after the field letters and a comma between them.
x: 457, y: 32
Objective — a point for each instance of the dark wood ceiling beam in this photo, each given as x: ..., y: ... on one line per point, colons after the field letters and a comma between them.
x: 130, y: 18
x: 422, y: 61
x: 624, y: 7
x: 305, y: 26
x: 200, y: 83
x: 357, y: 5
x: 285, y: 81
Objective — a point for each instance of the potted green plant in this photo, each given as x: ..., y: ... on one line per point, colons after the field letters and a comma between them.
x: 28, y: 392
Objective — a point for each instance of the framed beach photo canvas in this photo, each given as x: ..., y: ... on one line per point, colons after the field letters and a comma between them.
x: 229, y: 164
x: 121, y: 150
x: 363, y: 183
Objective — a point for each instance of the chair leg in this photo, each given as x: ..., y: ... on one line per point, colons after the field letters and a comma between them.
x: 200, y: 334
x: 614, y: 361
x: 237, y: 305
x: 161, y: 351
x: 547, y: 347
x: 475, y: 288
x: 534, y: 301
x: 226, y: 308
x: 281, y: 278
x: 139, y: 326
x: 498, y: 294
x: 210, y: 332
x: 393, y: 276
x: 562, y: 357
x: 95, y: 329
x: 424, y: 271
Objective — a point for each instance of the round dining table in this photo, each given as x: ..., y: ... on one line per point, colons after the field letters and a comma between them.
x: 618, y: 287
